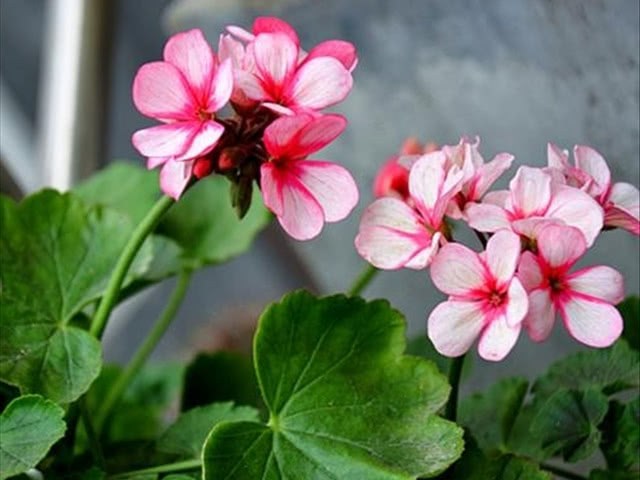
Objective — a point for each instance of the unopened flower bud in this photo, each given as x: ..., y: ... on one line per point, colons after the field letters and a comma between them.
x: 230, y: 158
x: 202, y: 167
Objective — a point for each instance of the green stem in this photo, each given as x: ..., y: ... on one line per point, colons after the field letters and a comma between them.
x: 561, y: 472
x: 455, y: 370
x: 94, y: 443
x: 141, y: 232
x: 167, y: 468
x: 140, y: 357
x: 363, y: 280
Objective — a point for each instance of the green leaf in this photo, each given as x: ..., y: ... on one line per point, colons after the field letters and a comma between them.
x: 187, y: 435
x: 29, y: 426
x: 630, y: 311
x: 205, y: 224
x: 621, y: 434
x: 123, y: 186
x: 219, y: 377
x: 610, y: 369
x: 490, y: 416
x: 56, y: 257
x: 421, y: 346
x: 567, y: 423
x: 613, y: 475
x: 344, y: 401
x: 475, y: 465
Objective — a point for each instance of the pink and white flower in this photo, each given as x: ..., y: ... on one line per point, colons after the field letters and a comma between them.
x: 305, y: 193
x: 486, y: 300
x: 620, y: 201
x: 584, y: 299
x: 183, y: 92
x: 394, y: 233
x: 532, y: 200
x: 272, y: 68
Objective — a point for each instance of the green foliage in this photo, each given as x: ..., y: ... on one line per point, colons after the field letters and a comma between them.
x: 56, y: 256
x: 29, y: 426
x: 187, y: 435
x: 630, y: 311
x: 421, y: 346
x: 219, y: 377
x: 490, y: 416
x: 621, y: 435
x: 344, y: 401
x: 613, y: 475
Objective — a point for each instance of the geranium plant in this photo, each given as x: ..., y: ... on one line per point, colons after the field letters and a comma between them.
x: 333, y: 391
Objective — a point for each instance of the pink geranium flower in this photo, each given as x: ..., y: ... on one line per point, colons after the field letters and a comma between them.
x: 532, y: 200
x: 274, y: 70
x: 485, y: 298
x: 620, y: 201
x: 584, y: 299
x: 394, y: 233
x: 305, y: 193
x: 183, y: 92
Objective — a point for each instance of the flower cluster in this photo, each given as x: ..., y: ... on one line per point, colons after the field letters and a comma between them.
x: 537, y: 230
x: 277, y: 92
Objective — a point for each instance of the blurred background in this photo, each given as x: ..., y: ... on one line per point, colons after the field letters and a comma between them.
x: 517, y: 73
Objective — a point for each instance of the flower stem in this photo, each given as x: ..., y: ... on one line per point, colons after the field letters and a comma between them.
x: 127, y: 256
x: 363, y: 279
x: 561, y: 472
x: 94, y: 442
x: 167, y: 468
x: 140, y: 357
x: 455, y: 370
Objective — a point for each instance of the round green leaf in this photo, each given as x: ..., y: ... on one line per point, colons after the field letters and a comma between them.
x: 29, y: 426
x: 344, y: 401
x: 56, y: 257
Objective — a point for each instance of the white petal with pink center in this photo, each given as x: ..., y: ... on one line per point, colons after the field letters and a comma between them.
x: 486, y: 217
x: 592, y: 322
x: 529, y: 271
x: 203, y: 141
x: 165, y: 140
x: 595, y: 166
x: 517, y: 304
x: 502, y: 254
x: 174, y: 177
x: 561, y: 246
x: 601, y: 282
x: 531, y: 191
x: 497, y: 339
x: 541, y: 315
x: 276, y: 57
x: 458, y: 271
x: 160, y: 91
x: 577, y: 209
x: 453, y: 326
x: 319, y: 83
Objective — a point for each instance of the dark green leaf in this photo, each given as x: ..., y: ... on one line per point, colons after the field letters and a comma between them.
x: 613, y: 475
x: 206, y: 226
x: 219, y: 377
x: 344, y: 401
x: 421, y: 346
x: 29, y: 426
x: 490, y: 416
x: 187, y: 435
x: 621, y: 434
x: 610, y: 369
x: 56, y: 257
x: 567, y: 423
x: 630, y: 311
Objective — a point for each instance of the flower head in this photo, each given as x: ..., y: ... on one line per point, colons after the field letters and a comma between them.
x: 584, y: 299
x: 305, y: 193
x: 485, y: 300
x: 183, y: 92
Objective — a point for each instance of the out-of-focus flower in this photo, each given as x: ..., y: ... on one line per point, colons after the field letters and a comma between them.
x: 620, y: 201
x: 485, y: 298
x: 271, y: 68
x: 305, y: 193
x: 532, y: 201
x: 584, y: 299
x: 183, y: 92
x: 394, y: 233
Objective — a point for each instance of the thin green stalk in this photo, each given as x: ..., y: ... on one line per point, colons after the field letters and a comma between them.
x: 167, y: 468
x: 455, y: 370
x: 363, y: 280
x: 561, y: 472
x: 139, y: 235
x: 94, y: 442
x: 140, y: 357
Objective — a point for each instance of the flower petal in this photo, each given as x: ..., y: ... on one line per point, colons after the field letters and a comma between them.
x: 192, y: 55
x: 166, y: 140
x: 517, y: 305
x: 592, y: 163
x: 561, y: 245
x: 153, y: 162
x: 577, y: 209
x: 531, y: 190
x: 592, y: 322
x: 331, y: 185
x: 344, y: 52
x: 625, y: 211
x: 298, y: 212
x: 160, y: 91
x: 174, y: 177
x: 453, y: 326
x: 557, y: 158
x: 487, y: 174
x: 203, y: 141
x: 541, y: 315
x: 529, y: 271
x: 497, y: 339
x: 391, y: 234
x: 279, y: 136
x: 319, y: 132
x: 486, y: 217
x: 276, y: 56
x: 457, y: 270
x: 601, y: 282
x: 274, y: 25
x: 221, y: 87
x: 319, y: 83
x: 502, y: 254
